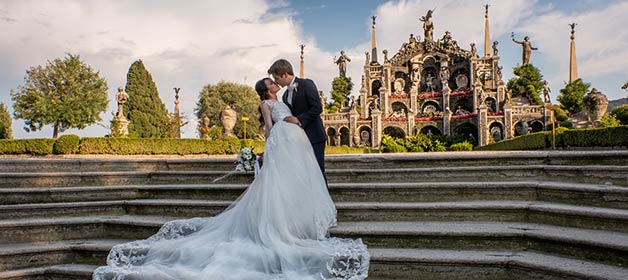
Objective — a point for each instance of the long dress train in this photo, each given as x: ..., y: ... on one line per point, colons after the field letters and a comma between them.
x: 277, y: 229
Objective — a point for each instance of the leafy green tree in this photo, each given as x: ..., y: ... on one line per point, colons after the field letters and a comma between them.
x: 242, y: 98
x: 66, y: 94
x: 144, y: 110
x: 527, y: 83
x: 340, y: 90
x: 621, y: 114
x: 571, y: 96
x: 608, y: 120
x: 5, y: 123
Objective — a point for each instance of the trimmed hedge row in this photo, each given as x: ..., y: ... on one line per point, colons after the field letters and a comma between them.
x: 569, y: 138
x: 423, y: 143
x: 73, y: 144
x: 594, y: 137
x: 26, y: 146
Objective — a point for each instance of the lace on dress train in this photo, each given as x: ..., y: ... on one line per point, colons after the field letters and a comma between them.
x: 277, y: 229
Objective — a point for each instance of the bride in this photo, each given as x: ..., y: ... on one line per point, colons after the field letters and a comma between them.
x: 277, y: 229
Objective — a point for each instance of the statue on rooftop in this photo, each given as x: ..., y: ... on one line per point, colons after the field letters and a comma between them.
x: 428, y: 26
x: 526, y: 48
x: 342, y: 63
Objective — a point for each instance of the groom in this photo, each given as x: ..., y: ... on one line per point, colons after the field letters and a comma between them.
x: 305, y: 105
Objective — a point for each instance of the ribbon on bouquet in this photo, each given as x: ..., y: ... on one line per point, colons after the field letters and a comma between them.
x: 257, y: 167
x: 256, y: 171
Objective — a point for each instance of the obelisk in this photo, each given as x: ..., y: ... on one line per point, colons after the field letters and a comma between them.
x: 302, y: 72
x: 573, y: 67
x: 373, y: 42
x: 487, y: 34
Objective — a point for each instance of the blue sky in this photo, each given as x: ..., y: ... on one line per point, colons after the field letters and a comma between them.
x: 191, y: 43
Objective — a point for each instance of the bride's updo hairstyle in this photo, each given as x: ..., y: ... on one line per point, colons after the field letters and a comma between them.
x: 262, y: 92
x: 261, y: 89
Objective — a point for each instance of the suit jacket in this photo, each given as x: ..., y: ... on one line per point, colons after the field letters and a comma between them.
x: 307, y: 107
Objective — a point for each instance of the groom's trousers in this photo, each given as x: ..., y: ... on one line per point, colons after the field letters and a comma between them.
x: 319, y: 152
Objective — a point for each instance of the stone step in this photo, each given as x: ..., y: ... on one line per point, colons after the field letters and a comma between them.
x: 53, y: 272
x: 608, y: 196
x: 410, y: 264
x: 21, y: 257
x: 486, y: 211
x: 77, y: 163
x: 617, y: 175
x: 484, y: 158
x: 92, y: 163
x: 386, y: 264
x: 593, y: 245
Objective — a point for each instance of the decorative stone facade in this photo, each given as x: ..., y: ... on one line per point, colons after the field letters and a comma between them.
x: 434, y: 87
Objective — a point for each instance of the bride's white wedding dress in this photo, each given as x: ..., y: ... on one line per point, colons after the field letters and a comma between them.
x: 277, y: 229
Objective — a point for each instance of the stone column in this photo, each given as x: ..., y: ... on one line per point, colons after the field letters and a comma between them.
x: 483, y: 126
x: 376, y: 124
x: 447, y: 121
x: 507, y: 120
x: 353, y: 128
x: 384, y: 93
x: 477, y: 95
x: 363, y: 103
x: 410, y: 122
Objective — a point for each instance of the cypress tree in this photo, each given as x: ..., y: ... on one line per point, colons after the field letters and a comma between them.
x: 145, y: 111
x: 5, y: 123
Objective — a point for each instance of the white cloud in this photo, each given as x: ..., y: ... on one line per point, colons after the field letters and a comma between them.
x: 189, y: 44
x: 184, y: 44
x: 601, y: 37
x: 601, y: 45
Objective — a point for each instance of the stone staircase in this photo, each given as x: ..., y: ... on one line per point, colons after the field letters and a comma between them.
x: 489, y: 215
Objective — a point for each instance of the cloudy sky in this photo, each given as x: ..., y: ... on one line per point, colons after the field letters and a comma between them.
x: 192, y: 43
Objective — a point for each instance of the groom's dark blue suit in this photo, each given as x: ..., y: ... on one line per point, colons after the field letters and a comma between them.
x: 306, y: 106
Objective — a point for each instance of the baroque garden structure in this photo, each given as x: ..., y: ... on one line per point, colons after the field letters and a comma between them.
x: 435, y: 87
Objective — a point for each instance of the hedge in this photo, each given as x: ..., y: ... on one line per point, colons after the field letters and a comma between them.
x: 594, y: 137
x: 41, y: 146
x: 66, y: 144
x: 159, y: 146
x: 565, y: 138
x: 69, y: 144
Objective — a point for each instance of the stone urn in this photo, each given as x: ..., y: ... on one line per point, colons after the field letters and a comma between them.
x: 595, y: 104
x: 228, y: 117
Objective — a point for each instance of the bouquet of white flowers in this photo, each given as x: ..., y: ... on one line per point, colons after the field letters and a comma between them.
x: 245, y: 160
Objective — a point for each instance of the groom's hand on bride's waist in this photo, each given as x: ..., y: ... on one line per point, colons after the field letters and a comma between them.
x: 292, y: 119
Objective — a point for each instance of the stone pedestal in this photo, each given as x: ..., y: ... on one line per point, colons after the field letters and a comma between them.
x: 119, y: 126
